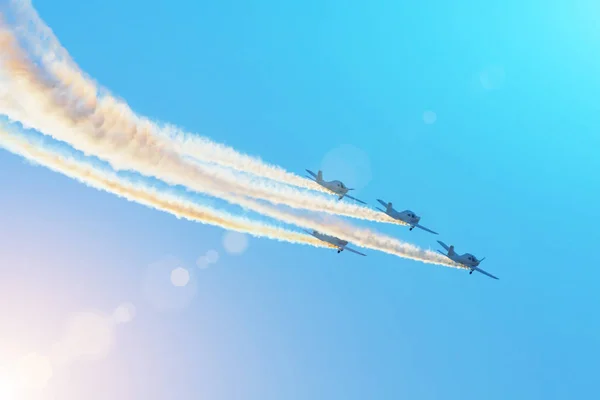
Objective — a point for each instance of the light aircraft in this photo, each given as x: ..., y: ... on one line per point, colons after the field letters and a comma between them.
x: 339, y: 243
x: 405, y: 216
x: 335, y: 187
x: 468, y: 260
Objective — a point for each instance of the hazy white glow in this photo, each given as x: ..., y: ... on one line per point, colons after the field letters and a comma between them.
x: 89, y: 335
x: 8, y: 389
x: 33, y: 372
x: 492, y: 77
x: 429, y: 117
x: 235, y: 242
x: 124, y: 313
x: 212, y: 256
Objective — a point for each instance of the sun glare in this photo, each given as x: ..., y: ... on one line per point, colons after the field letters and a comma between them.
x: 7, y: 390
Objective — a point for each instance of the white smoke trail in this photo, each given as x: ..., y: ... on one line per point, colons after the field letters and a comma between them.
x: 147, y: 155
x: 46, y: 46
x: 91, y: 99
x: 34, y: 150
x: 173, y: 204
x: 120, y: 141
x: 361, y: 237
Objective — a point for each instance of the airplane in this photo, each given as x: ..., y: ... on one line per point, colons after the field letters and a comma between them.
x: 339, y: 243
x: 405, y: 216
x: 468, y: 260
x: 335, y: 187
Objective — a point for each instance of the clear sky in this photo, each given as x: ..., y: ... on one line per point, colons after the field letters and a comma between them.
x: 481, y: 118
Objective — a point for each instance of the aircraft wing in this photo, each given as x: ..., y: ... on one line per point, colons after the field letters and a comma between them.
x: 483, y: 272
x: 354, y: 251
x: 425, y: 229
x: 355, y: 199
x: 444, y: 245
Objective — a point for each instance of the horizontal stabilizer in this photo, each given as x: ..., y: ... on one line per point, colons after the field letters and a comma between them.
x: 385, y: 204
x: 312, y: 173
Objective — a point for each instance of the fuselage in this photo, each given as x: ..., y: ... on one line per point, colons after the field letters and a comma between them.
x: 406, y: 216
x: 330, y: 239
x: 409, y: 217
x: 336, y: 187
x: 468, y: 260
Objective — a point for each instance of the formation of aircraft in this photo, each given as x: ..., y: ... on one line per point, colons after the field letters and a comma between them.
x: 406, y: 217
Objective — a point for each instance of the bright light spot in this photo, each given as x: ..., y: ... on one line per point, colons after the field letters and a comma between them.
x: 202, y: 262
x: 492, y: 77
x: 33, y: 372
x: 348, y: 164
x: 124, y: 313
x: 180, y: 277
x: 212, y: 256
x: 235, y: 242
x: 160, y: 282
x: 429, y: 117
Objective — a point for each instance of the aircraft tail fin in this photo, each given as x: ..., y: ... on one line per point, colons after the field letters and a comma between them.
x: 449, y: 249
x: 319, y: 176
x: 388, y: 205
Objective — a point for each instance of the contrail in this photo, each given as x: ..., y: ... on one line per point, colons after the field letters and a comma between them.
x: 361, y: 237
x: 81, y: 171
x: 121, y: 139
x: 47, y: 47
x: 140, y: 193
x: 75, y: 83
x: 148, y: 155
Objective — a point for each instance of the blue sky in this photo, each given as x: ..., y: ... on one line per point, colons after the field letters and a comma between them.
x: 507, y: 171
